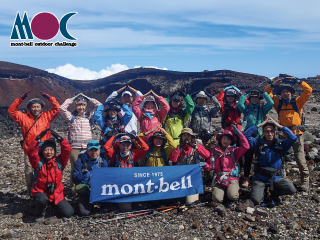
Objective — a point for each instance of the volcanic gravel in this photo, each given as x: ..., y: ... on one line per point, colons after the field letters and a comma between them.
x: 297, y: 218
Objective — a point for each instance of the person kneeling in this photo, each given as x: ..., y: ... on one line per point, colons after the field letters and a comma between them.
x: 82, y: 175
x: 268, y: 165
x: 48, y: 174
x: 223, y: 160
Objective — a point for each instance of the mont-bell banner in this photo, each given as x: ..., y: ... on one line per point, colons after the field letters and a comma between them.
x: 145, y: 183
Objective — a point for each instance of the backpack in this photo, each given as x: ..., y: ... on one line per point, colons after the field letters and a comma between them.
x: 235, y: 172
x: 117, y: 161
x: 295, y: 108
x: 39, y: 166
x: 224, y: 117
x: 163, y: 155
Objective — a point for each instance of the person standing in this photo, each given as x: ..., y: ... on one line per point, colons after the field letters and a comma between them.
x: 32, y: 124
x: 79, y: 126
x: 289, y: 111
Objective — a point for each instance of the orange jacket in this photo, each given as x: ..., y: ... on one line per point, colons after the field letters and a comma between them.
x: 291, y: 118
x: 25, y: 121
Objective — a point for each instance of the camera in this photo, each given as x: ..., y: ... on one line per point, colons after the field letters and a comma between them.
x: 205, y: 135
x: 51, y: 187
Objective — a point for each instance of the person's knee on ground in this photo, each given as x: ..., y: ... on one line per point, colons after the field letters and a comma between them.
x: 233, y: 190
x: 192, y: 198
x: 85, y: 208
x: 41, y: 201
x: 64, y: 209
x: 217, y: 195
x: 257, y: 192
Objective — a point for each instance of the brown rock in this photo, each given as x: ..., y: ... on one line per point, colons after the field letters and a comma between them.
x: 49, y: 236
x: 195, y: 225
x: 19, y: 224
x: 250, y: 218
x: 18, y: 215
x: 124, y: 237
x: 86, y: 234
x: 253, y: 235
x: 212, y: 204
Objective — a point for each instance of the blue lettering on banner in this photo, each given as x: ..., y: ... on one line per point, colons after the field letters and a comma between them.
x: 145, y: 183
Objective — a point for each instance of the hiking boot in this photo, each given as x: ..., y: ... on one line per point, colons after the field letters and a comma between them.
x: 304, y: 187
x: 245, y: 183
x: 277, y: 201
x: 39, y: 219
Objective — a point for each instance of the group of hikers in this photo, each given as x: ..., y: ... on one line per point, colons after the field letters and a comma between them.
x: 163, y: 139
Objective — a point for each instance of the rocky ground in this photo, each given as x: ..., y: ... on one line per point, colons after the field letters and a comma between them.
x: 297, y: 218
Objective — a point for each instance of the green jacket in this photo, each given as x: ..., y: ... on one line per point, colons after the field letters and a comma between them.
x: 254, y: 114
x: 173, y: 124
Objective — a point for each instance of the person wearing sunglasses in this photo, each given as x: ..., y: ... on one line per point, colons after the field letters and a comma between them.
x: 178, y: 115
x: 121, y: 154
x: 79, y: 126
x: 127, y: 98
x: 82, y: 174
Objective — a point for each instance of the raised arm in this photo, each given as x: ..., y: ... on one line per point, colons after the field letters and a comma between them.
x: 135, y: 107
x: 64, y: 110
x: 164, y: 110
x: 98, y: 116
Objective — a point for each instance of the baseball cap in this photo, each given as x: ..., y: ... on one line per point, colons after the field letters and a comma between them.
x: 93, y: 144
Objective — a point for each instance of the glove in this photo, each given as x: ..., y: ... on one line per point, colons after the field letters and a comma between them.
x: 57, y: 136
x: 226, y: 88
x: 208, y: 94
x: 237, y: 89
x: 131, y: 135
x: 45, y: 95
x: 194, y: 146
x: 236, y: 130
x: 202, y: 164
x: 182, y: 93
x: 88, y: 98
x: 42, y: 134
x: 183, y: 143
x: 85, y: 170
x: 24, y: 96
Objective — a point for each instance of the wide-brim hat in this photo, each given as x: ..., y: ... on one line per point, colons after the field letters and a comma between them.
x: 158, y: 134
x: 36, y: 100
x: 187, y: 130
x: 201, y: 94
x: 227, y: 133
x: 285, y: 86
x: 255, y: 93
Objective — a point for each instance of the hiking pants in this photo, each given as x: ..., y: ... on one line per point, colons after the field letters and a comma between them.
x: 28, y: 172
x: 300, y: 158
x: 232, y: 191
x: 281, y: 186
x: 63, y: 207
x: 248, y: 156
x: 73, y: 158
x: 84, y: 206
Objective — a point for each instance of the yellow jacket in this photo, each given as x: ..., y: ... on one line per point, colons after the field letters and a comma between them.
x: 155, y: 159
x: 290, y: 117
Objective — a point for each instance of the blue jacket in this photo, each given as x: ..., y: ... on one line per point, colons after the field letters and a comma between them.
x: 269, y: 155
x: 78, y: 177
x: 100, y: 119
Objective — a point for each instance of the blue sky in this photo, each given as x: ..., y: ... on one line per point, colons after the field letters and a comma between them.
x: 257, y: 37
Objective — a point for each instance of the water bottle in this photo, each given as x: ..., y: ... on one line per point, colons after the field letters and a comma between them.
x: 212, y: 160
x: 243, y: 127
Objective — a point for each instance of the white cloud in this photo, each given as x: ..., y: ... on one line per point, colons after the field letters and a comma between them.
x: 80, y: 73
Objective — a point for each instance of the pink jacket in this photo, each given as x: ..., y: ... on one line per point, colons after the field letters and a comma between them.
x: 223, y: 161
x: 146, y: 123
x: 186, y: 150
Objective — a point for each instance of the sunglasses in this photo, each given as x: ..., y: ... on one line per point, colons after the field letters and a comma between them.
x: 94, y: 145
x: 158, y: 134
x: 80, y: 99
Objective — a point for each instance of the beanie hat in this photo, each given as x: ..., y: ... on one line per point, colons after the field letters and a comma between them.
x: 47, y: 143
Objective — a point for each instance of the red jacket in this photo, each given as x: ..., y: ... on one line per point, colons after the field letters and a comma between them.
x: 113, y: 152
x: 186, y: 150
x: 233, y: 114
x: 49, y: 170
x: 25, y: 121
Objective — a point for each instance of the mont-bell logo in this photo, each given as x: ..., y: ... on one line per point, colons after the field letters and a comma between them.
x: 43, y: 26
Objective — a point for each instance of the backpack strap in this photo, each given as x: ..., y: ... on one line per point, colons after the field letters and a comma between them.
x: 163, y: 155
x: 293, y: 104
x: 36, y: 172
